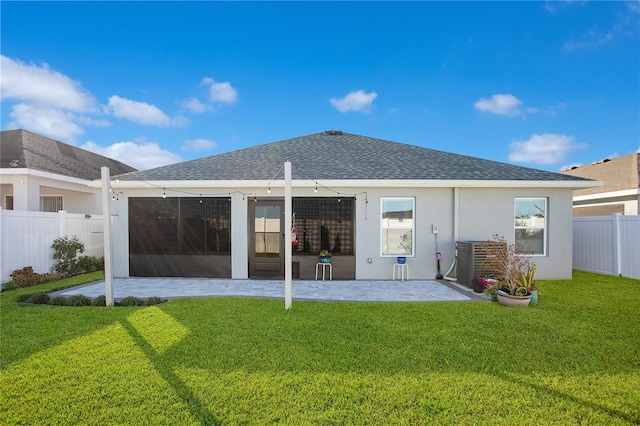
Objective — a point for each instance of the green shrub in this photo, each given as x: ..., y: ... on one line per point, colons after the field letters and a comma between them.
x: 66, y: 250
x: 79, y: 300
x: 11, y: 285
x: 68, y: 262
x: 90, y: 263
x: 131, y: 301
x: 154, y: 300
x: 99, y: 301
x: 23, y: 298
x: 39, y: 299
x: 58, y: 301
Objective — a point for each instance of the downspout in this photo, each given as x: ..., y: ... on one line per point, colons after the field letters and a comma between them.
x: 456, y: 202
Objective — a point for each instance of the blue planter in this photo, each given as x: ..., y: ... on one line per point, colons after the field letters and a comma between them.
x: 325, y: 260
x: 401, y: 260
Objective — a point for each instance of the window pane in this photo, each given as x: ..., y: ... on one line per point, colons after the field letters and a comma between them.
x: 324, y: 223
x: 530, y: 223
x: 396, y: 241
x: 51, y: 203
x: 153, y: 225
x: 397, y: 223
x: 530, y: 212
x: 530, y: 241
x: 267, y: 231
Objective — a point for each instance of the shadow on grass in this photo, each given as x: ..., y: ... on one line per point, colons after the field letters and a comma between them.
x: 568, y: 397
x: 196, y: 407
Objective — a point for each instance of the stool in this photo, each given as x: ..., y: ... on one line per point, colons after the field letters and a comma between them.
x: 324, y: 266
x: 401, y: 269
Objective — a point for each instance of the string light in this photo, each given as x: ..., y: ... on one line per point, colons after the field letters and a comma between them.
x: 246, y: 196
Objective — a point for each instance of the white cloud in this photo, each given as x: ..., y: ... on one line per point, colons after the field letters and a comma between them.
x: 548, y: 148
x: 42, y: 86
x: 354, y: 101
x: 47, y: 121
x: 199, y: 145
x: 499, y: 104
x: 194, y: 105
x: 220, y: 92
x: 142, y: 155
x: 143, y: 113
x: 624, y: 25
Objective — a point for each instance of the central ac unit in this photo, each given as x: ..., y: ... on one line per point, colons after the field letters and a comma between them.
x: 476, y: 259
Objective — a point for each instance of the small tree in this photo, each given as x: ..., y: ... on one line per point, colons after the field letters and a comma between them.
x: 66, y: 250
x: 512, y: 267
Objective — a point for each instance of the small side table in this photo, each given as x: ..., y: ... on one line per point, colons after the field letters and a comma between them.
x: 401, y: 270
x: 324, y: 267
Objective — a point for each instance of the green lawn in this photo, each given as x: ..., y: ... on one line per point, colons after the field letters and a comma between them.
x: 572, y: 359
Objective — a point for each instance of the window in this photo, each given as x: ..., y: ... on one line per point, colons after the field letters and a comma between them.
x: 397, y: 226
x: 324, y: 223
x: 531, y: 225
x: 51, y: 203
x: 8, y: 202
x: 179, y: 225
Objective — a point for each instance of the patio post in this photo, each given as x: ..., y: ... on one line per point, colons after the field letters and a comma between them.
x: 287, y: 242
x: 106, y: 222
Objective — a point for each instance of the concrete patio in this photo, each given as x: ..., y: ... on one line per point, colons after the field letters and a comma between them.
x: 337, y: 290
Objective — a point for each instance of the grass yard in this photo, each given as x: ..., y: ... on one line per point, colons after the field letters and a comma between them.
x: 572, y: 359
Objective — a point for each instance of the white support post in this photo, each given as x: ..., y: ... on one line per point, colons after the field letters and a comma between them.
x: 288, y: 207
x: 106, y: 221
x: 62, y: 223
x: 617, y: 245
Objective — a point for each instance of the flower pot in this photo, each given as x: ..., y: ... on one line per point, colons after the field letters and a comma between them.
x: 401, y: 260
x: 507, y: 299
x: 477, y: 287
x: 325, y: 260
x: 534, y: 297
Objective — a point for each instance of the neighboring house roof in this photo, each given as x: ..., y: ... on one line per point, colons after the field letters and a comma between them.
x: 618, y: 173
x: 22, y: 149
x: 341, y: 156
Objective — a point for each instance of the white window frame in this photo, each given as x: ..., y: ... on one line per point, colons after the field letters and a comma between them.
x: 385, y: 225
x: 542, y: 226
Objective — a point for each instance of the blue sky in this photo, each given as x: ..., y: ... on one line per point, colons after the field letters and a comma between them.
x: 539, y: 84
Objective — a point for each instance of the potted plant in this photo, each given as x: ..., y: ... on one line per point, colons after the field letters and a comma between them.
x: 489, y: 287
x: 325, y: 256
x: 515, y: 270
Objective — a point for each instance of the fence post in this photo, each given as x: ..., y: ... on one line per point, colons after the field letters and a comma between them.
x: 62, y: 228
x: 617, y: 249
x: 1, y: 244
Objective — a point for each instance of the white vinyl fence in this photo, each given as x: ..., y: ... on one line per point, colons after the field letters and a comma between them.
x: 26, y: 238
x: 607, y: 244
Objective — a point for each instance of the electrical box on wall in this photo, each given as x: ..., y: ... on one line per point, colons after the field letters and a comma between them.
x: 434, y: 229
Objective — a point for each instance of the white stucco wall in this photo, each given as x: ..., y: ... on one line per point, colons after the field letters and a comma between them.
x: 27, y: 188
x: 482, y: 213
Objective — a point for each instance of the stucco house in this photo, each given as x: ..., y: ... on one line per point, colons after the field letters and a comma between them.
x: 42, y: 174
x: 364, y: 199
x: 620, y: 192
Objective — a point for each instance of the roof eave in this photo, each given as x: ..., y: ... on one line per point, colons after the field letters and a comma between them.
x: 356, y: 183
x: 47, y: 175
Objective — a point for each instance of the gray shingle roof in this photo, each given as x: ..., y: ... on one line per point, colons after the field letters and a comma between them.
x: 343, y: 156
x: 28, y: 150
